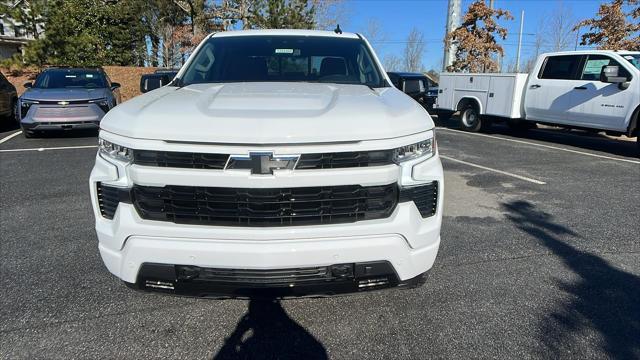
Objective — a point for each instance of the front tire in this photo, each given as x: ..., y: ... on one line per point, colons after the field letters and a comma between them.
x: 28, y: 134
x: 14, y: 112
x: 470, y: 120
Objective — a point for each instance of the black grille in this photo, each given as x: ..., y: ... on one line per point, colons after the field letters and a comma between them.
x: 108, y: 199
x: 180, y: 159
x: 265, y: 207
x: 275, y: 277
x: 424, y: 196
x: 345, y: 159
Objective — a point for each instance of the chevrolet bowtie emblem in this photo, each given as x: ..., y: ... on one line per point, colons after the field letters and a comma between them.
x: 262, y: 163
x: 63, y: 103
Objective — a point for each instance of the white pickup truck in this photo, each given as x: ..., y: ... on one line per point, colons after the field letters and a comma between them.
x: 276, y: 163
x: 593, y: 89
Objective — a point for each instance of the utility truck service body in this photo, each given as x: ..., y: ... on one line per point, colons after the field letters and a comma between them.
x: 276, y: 163
x: 594, y: 89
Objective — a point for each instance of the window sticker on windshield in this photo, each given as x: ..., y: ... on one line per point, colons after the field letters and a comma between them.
x: 628, y: 57
x: 284, y: 51
x: 89, y: 75
x: 70, y: 76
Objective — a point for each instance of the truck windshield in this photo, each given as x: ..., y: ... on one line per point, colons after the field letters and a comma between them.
x: 633, y: 59
x: 283, y: 59
x: 70, y: 78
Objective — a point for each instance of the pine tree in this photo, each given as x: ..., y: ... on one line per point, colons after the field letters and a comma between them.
x: 283, y: 14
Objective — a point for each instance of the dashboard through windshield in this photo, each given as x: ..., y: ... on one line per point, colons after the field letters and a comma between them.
x: 283, y: 59
x: 633, y: 59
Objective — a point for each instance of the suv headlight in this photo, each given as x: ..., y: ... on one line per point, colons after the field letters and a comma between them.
x: 115, y: 151
x: 25, y: 105
x: 102, y: 103
x: 423, y: 149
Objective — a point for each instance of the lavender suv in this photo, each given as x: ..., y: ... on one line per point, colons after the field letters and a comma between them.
x: 65, y: 99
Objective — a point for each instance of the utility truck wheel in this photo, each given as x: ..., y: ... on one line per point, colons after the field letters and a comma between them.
x: 470, y: 119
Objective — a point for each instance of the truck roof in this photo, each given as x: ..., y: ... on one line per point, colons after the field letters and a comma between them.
x: 285, y: 32
x: 586, y: 52
x: 407, y: 74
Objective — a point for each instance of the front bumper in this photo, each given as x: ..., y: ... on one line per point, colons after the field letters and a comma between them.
x: 272, y: 283
x: 405, y: 240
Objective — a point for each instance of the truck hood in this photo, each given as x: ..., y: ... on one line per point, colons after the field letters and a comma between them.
x: 65, y: 94
x: 268, y: 113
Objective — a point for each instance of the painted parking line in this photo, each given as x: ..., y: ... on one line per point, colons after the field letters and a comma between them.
x: 540, y: 145
x: 7, y: 138
x: 495, y: 170
x: 52, y: 148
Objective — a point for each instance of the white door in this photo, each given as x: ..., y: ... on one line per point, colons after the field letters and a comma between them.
x: 549, y: 94
x: 601, y: 105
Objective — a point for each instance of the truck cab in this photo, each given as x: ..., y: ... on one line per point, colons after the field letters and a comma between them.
x: 570, y: 88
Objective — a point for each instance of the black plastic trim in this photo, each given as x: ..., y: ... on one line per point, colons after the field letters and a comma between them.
x: 174, y: 280
x: 424, y: 196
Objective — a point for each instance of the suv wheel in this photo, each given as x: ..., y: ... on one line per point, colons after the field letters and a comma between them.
x: 14, y: 111
x: 470, y: 119
x: 28, y: 133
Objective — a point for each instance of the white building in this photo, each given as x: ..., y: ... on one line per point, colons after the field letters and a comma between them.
x: 13, y: 35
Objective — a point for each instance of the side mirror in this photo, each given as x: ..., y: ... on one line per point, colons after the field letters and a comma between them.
x: 115, y: 85
x: 150, y: 82
x: 28, y: 84
x: 609, y: 74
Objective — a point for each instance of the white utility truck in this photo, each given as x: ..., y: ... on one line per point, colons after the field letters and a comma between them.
x: 594, y: 90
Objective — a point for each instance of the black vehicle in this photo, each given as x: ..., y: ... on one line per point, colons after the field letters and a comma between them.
x: 8, y: 99
x: 159, y: 78
x: 418, y: 86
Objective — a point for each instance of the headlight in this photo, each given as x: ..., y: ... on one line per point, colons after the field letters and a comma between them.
x: 25, y: 105
x: 102, y: 103
x: 423, y: 149
x: 115, y: 151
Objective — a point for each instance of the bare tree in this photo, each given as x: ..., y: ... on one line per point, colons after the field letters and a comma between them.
x: 392, y: 63
x: 559, y: 28
x: 329, y: 13
x: 414, y: 50
x: 538, y: 44
x: 374, y: 31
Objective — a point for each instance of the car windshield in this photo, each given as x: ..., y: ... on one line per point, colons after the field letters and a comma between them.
x: 633, y: 59
x: 70, y: 78
x: 283, y: 59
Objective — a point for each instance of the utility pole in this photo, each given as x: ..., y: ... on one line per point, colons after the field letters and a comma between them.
x: 520, y: 41
x: 453, y: 22
x: 491, y: 3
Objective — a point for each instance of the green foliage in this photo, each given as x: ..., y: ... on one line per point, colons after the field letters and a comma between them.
x: 139, y: 32
x: 90, y: 33
x: 283, y: 14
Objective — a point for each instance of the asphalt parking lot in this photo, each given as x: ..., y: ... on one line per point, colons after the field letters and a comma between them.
x: 540, y: 257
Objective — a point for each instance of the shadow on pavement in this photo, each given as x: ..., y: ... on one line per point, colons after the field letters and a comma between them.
x: 604, y: 299
x: 267, y: 332
x: 558, y: 136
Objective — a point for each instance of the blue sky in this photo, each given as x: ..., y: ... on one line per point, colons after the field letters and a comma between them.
x: 397, y: 17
